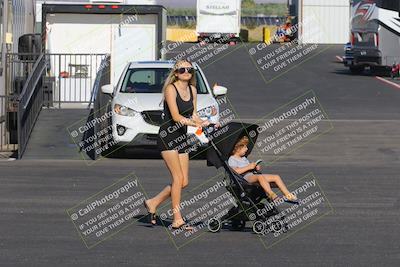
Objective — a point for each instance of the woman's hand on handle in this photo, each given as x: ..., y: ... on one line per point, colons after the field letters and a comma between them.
x: 205, y: 123
x: 197, y: 120
x: 217, y: 125
x: 199, y: 124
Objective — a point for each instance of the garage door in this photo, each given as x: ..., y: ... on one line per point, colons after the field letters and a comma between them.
x: 325, y: 22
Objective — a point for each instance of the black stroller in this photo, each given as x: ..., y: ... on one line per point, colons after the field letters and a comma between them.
x: 252, y: 204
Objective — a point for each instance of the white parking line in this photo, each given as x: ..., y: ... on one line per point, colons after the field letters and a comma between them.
x: 339, y: 58
x: 388, y: 82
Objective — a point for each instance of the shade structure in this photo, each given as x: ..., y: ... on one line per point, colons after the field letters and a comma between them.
x: 225, y: 142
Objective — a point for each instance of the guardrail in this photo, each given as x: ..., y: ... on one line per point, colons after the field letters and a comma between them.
x: 98, y: 105
x: 30, y: 103
x: 102, y: 78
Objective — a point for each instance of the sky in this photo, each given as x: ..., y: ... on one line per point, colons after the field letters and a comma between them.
x: 192, y: 3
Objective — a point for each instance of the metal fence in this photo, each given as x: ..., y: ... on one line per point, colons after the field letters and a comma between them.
x: 30, y: 103
x: 17, y: 71
x: 245, y: 21
x: 18, y: 68
x: 73, y: 76
x: 35, y: 80
x: 69, y: 77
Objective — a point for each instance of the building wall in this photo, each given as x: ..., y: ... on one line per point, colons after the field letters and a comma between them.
x: 19, y: 22
x: 324, y: 21
x: 23, y: 20
x: 3, y: 48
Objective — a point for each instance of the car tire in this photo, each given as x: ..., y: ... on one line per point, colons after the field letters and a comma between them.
x: 357, y: 70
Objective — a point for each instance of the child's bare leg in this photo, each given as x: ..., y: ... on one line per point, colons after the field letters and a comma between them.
x: 281, y: 185
x: 264, y: 184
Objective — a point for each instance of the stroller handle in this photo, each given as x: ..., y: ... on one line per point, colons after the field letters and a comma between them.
x: 206, y: 131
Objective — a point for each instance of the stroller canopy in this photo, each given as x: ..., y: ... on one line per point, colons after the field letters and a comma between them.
x: 225, y: 142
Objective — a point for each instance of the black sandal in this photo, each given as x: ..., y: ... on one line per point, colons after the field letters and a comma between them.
x: 296, y: 202
x: 153, y: 218
x: 183, y: 226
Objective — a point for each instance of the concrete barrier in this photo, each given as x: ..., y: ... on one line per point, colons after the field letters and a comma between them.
x: 266, y: 35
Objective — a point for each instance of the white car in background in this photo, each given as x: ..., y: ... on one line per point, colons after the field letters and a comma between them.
x: 136, y: 108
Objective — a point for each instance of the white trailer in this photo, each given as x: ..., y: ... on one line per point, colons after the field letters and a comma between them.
x: 218, y: 19
x: 126, y: 32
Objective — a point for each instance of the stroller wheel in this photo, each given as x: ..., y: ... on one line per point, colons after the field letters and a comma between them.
x: 238, y: 225
x: 258, y: 227
x: 276, y: 226
x: 214, y: 225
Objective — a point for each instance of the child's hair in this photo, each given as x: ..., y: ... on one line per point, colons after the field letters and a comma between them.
x: 241, y: 143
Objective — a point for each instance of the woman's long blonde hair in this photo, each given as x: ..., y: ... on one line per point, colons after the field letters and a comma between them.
x: 172, y: 78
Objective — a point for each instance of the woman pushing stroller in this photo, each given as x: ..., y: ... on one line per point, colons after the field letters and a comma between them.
x: 242, y: 166
x: 180, y: 110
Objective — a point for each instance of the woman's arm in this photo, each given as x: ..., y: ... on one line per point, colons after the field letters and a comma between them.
x: 170, y: 97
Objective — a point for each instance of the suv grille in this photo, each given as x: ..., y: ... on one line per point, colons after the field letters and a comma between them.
x: 153, y: 117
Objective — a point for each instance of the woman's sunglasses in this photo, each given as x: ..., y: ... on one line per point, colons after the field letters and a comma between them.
x: 183, y: 70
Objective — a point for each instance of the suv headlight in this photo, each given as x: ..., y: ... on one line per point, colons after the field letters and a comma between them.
x: 208, y: 111
x: 124, y: 111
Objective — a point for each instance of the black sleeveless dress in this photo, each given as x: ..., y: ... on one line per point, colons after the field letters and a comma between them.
x: 172, y: 135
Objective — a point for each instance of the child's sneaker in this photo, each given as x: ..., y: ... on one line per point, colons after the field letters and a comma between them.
x: 290, y: 198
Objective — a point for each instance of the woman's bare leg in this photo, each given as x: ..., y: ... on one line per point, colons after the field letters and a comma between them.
x: 184, y: 161
x: 154, y: 202
x: 172, y: 161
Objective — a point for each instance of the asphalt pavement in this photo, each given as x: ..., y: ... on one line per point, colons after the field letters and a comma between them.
x: 355, y: 161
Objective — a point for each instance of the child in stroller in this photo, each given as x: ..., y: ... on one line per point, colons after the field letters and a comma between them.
x: 239, y: 163
x: 251, y: 199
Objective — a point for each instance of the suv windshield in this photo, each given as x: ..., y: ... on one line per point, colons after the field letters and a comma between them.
x: 151, y: 80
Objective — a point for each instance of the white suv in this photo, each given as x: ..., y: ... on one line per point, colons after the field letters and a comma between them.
x: 136, y: 108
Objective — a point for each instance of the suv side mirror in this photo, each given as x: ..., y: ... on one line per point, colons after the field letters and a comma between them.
x: 107, y: 89
x: 219, y: 90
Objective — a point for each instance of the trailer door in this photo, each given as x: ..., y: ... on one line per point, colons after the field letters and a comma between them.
x: 132, y: 42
